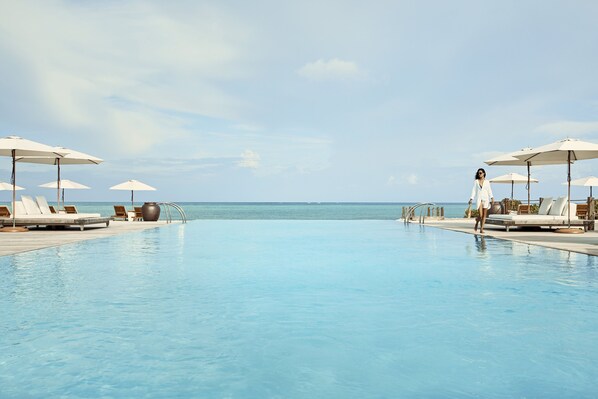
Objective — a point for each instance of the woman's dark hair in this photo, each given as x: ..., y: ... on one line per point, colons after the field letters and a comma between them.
x: 479, y: 170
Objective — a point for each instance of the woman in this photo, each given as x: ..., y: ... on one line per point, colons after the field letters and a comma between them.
x: 482, y: 193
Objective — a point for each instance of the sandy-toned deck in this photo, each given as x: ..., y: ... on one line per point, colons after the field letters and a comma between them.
x: 12, y: 243
x: 586, y: 243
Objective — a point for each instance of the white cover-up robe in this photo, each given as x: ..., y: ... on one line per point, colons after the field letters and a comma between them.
x: 481, y: 194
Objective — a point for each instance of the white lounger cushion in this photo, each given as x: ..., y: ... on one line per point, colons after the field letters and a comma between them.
x: 530, y: 218
x: 85, y: 215
x: 557, y: 208
x: 43, y: 205
x: 545, y: 206
x: 30, y: 205
x: 19, y: 209
x: 572, y: 210
x: 56, y: 216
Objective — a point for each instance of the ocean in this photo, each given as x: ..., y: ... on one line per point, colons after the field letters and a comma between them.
x: 282, y: 210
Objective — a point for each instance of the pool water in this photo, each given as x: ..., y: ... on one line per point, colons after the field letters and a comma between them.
x: 298, y: 309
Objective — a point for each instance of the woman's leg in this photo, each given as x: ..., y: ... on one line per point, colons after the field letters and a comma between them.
x: 483, y: 214
x: 478, y: 218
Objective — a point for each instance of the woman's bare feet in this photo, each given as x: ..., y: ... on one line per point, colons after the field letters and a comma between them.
x: 477, y: 221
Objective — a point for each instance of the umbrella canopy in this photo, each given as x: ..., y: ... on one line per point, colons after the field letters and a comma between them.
x: 132, y: 185
x: 567, y: 150
x: 512, y: 178
x: 14, y: 147
x: 71, y: 158
x: 8, y: 186
x: 64, y: 184
x: 24, y: 147
x: 585, y: 181
x: 511, y: 159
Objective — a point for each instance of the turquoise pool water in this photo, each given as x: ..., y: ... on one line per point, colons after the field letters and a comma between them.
x: 298, y: 309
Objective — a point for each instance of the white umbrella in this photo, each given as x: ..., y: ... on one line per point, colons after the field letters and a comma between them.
x: 62, y: 184
x: 569, y: 150
x: 585, y: 181
x: 13, y: 146
x: 512, y: 178
x: 132, y: 185
x: 511, y: 159
x: 8, y: 186
x: 71, y: 158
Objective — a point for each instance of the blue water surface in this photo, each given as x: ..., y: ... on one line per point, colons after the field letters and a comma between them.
x: 298, y: 309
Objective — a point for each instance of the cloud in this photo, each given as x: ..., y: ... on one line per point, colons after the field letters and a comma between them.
x: 134, y: 71
x: 249, y: 159
x: 333, y: 69
x: 569, y: 128
x: 247, y: 127
x: 169, y: 166
x: 412, y: 179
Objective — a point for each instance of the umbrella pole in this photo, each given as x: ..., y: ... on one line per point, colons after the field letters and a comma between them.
x: 512, y: 185
x: 569, y: 189
x: 14, y: 188
x: 13, y: 180
x: 528, y: 184
x: 132, y: 204
x: 569, y: 230
x: 58, y: 187
x: 63, y: 196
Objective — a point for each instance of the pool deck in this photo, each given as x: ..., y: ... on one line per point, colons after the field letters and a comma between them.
x: 586, y: 243
x: 13, y: 243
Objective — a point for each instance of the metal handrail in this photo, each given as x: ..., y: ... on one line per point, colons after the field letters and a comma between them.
x: 411, y: 211
x: 168, y: 206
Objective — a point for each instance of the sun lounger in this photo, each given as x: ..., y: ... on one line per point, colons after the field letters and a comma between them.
x: 582, y: 211
x: 120, y: 212
x: 523, y: 209
x: 29, y: 213
x: 43, y: 206
x: 138, y: 213
x: 551, y: 214
x: 4, y: 211
x: 70, y: 209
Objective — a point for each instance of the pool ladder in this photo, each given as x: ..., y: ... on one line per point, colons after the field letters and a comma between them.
x: 409, y: 213
x: 171, y: 205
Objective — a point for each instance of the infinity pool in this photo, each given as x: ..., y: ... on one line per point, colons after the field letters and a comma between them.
x: 298, y: 309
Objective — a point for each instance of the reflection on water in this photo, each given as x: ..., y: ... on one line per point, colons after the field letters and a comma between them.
x: 480, y: 243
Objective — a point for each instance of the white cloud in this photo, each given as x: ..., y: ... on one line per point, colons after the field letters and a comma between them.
x: 120, y: 72
x: 249, y: 159
x: 412, y: 179
x: 247, y: 127
x: 333, y: 69
x: 568, y: 128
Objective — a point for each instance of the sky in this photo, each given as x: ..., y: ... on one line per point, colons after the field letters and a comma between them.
x: 334, y: 101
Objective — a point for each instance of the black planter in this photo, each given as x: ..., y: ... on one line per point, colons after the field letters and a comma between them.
x: 150, y: 211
